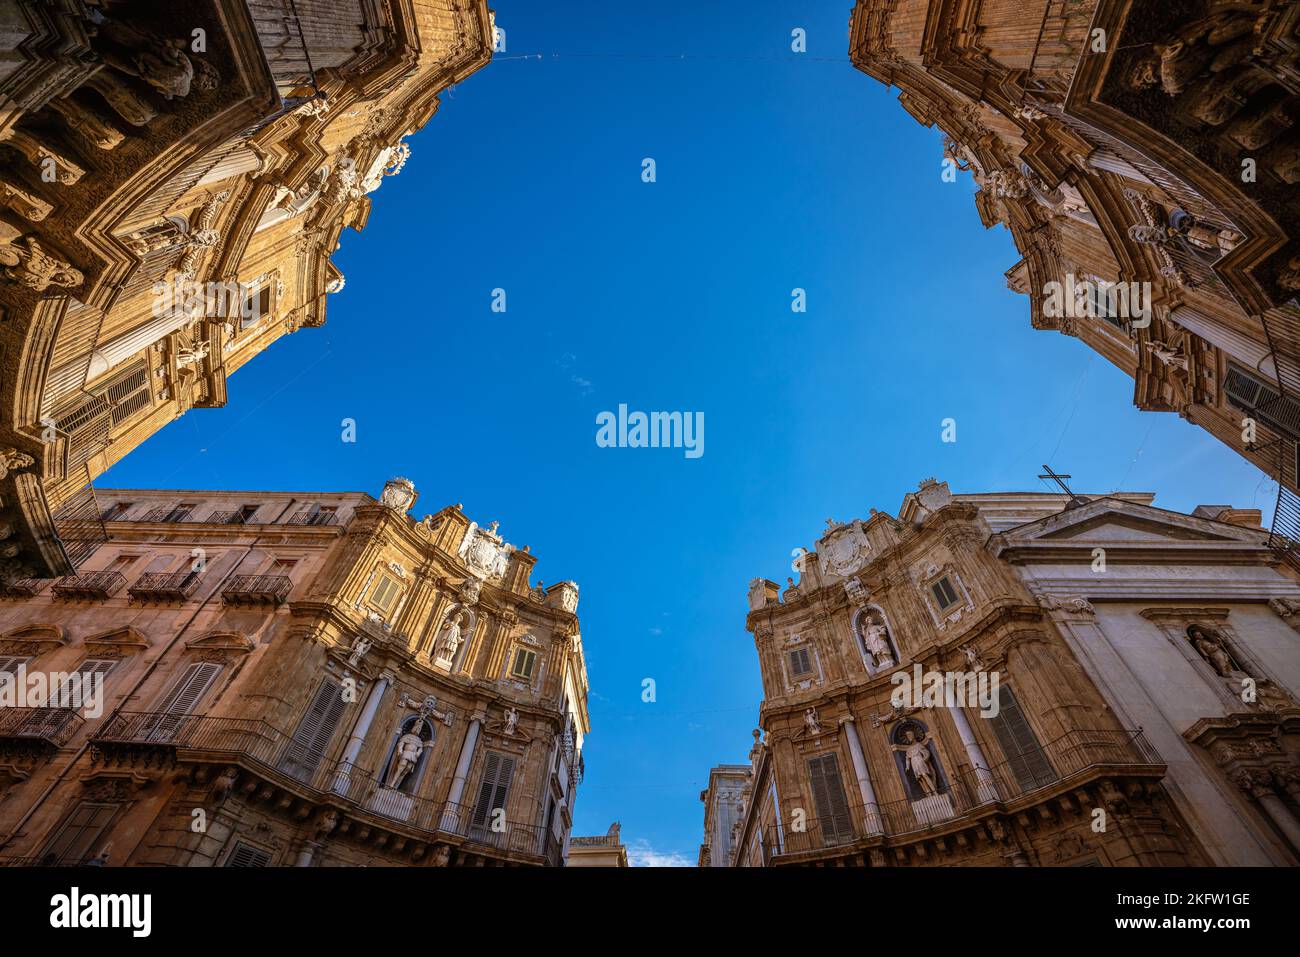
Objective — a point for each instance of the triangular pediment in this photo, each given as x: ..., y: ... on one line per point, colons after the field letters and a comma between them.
x: 122, y: 639
x: 1115, y: 523
x: 1131, y: 528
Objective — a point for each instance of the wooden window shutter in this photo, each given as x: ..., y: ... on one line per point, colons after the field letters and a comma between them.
x: 245, y: 855
x: 9, y: 663
x: 128, y: 393
x: 800, y: 662
x: 493, y: 788
x: 185, y: 694
x: 1024, y: 754
x: 828, y: 796
x: 312, y: 738
x: 80, y: 832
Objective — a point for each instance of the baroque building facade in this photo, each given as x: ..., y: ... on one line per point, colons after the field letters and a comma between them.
x: 723, y: 800
x: 1122, y: 681
x: 174, y: 178
x: 289, y: 679
x: 1144, y: 156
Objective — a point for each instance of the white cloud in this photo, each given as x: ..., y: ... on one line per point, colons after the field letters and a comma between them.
x: 641, y: 854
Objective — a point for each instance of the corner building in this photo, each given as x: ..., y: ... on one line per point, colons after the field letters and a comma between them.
x: 295, y: 679
x: 175, y: 176
x: 1123, y: 733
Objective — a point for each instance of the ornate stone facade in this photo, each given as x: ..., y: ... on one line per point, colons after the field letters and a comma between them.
x: 175, y: 179
x: 724, y: 800
x: 277, y: 668
x: 1143, y: 155
x: 1087, y: 660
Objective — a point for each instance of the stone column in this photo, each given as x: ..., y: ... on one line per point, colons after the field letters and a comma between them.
x: 309, y: 849
x: 1259, y: 785
x: 870, y: 809
x: 985, y: 788
x: 451, y: 813
x: 343, y: 776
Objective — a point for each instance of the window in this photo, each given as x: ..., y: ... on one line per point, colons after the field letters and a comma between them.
x: 121, y: 563
x: 116, y: 511
x: 312, y: 738
x: 493, y: 793
x: 325, y: 515
x: 1254, y: 396
x: 384, y: 595
x: 244, y: 515
x: 9, y: 664
x: 256, y: 307
x: 800, y: 662
x: 944, y: 594
x: 80, y: 833
x: 833, y: 821
x: 524, y: 661
x: 1024, y: 754
x: 180, y: 700
x: 283, y: 566
x: 85, y: 685
x: 246, y: 855
x: 180, y: 513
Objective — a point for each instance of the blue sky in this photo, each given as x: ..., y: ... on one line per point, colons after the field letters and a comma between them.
x: 774, y: 171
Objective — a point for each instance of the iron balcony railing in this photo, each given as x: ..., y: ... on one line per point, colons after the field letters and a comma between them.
x: 256, y: 589
x: 53, y: 726
x: 22, y: 587
x: 308, y: 517
x: 89, y: 585
x: 971, y: 789
x: 165, y: 586
x: 168, y: 513
x: 231, y: 517
x: 272, y: 753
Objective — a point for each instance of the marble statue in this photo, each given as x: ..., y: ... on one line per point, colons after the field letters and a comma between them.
x: 409, y: 748
x: 916, y: 758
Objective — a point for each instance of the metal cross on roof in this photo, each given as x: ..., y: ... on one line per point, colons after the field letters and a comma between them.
x: 1075, y: 500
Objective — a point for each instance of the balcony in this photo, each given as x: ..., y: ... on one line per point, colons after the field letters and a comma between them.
x: 164, y: 586
x: 91, y: 586
x: 22, y: 587
x: 308, y: 517
x: 257, y: 590
x: 1058, y: 766
x: 167, y: 513
x: 43, y: 727
x: 278, y: 759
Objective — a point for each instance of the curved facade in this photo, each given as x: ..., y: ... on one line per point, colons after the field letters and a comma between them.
x: 173, y: 180
x: 293, y: 679
x: 1144, y: 156
x: 965, y: 685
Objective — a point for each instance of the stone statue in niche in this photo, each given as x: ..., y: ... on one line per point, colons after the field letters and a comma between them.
x: 812, y: 722
x: 407, y: 755
x: 916, y: 759
x: 360, y: 646
x: 875, y: 639
x: 1210, y: 645
x: 512, y: 721
x: 452, y: 636
x: 157, y: 61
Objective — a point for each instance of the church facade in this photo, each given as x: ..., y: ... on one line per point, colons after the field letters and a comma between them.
x: 175, y: 179
x: 1027, y: 679
x: 279, y: 679
x: 1145, y: 157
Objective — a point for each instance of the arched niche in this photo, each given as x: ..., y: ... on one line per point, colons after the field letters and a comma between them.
x: 875, y: 639
x: 393, y: 775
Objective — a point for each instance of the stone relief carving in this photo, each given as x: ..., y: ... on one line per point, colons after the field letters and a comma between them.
x: 398, y: 494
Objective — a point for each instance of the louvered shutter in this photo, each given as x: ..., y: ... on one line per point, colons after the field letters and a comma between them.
x: 181, y: 700
x: 312, y: 738
x: 9, y: 663
x: 80, y: 833
x: 1024, y: 754
x: 493, y: 792
x: 800, y: 662
x: 833, y: 818
x: 245, y: 855
x: 185, y: 694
